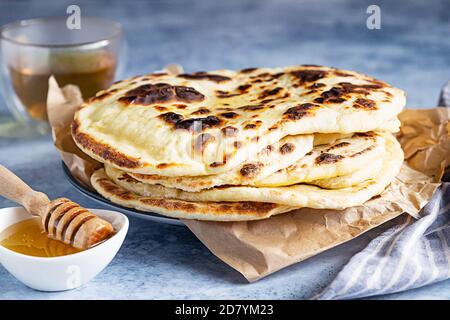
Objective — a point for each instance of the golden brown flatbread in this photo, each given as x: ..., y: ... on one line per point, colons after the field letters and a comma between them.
x: 216, y: 211
x: 210, y: 122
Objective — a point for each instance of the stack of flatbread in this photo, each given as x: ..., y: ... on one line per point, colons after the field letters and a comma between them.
x: 242, y: 145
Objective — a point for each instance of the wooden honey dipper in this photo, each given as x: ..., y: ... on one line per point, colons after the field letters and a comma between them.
x: 62, y: 219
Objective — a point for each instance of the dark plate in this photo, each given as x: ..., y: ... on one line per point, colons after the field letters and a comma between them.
x: 128, y: 211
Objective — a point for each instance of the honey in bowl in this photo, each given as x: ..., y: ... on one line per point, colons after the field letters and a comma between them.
x: 27, y: 237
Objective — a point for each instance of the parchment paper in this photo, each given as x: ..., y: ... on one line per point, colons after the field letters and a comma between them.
x: 259, y: 248
x: 425, y: 139
x: 61, y: 106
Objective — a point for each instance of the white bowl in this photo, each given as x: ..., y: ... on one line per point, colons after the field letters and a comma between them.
x: 65, y: 272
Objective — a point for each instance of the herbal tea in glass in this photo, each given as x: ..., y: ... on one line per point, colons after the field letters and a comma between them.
x: 33, y: 50
x: 91, y: 73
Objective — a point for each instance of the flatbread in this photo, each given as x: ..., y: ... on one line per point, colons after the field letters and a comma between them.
x: 216, y: 211
x: 208, y: 123
x: 343, y: 157
x: 335, y: 155
x: 271, y: 159
x: 352, y: 179
x: 299, y: 195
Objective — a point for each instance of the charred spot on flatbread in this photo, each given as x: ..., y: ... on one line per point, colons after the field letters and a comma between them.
x: 160, y: 93
x: 365, y: 104
x: 339, y: 145
x: 309, y: 75
x: 204, y: 76
x: 341, y: 92
x: 300, y: 111
x: 270, y: 92
x: 287, y: 148
x: 200, y: 111
x: 192, y: 124
x: 249, y: 170
x: 252, y: 107
x: 253, y: 125
x: 248, y: 70
x: 229, y: 115
x: 326, y: 158
x: 361, y: 152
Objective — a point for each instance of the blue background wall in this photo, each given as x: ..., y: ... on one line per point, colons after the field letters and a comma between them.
x: 411, y: 50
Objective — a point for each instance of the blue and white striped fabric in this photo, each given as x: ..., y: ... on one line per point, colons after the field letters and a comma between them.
x: 410, y: 255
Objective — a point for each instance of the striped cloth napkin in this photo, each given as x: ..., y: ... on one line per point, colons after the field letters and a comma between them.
x: 412, y: 254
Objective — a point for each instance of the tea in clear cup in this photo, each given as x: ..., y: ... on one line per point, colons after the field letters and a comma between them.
x: 33, y: 50
x: 91, y: 72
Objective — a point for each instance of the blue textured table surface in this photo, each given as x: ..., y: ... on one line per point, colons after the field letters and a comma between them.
x: 411, y: 51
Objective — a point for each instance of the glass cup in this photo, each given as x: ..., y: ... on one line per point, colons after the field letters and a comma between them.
x: 33, y: 50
